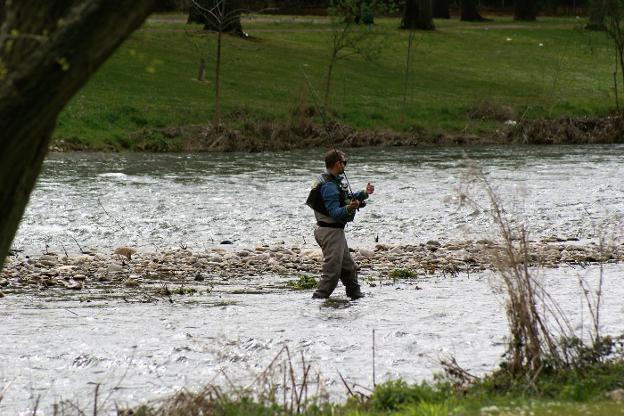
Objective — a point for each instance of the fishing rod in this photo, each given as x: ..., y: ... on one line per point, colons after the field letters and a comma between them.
x: 362, y: 203
x: 326, y: 125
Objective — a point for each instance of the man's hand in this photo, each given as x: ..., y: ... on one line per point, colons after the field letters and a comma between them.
x: 353, y: 205
x: 370, y: 188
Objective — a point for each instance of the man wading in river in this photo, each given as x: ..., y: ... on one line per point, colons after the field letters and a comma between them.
x: 334, y: 206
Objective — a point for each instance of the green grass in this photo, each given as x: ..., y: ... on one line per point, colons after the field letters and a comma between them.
x: 184, y: 290
x: 424, y: 409
x: 303, y: 283
x: 401, y: 273
x: 570, y: 392
x: 400, y: 399
x: 150, y: 81
x: 589, y: 382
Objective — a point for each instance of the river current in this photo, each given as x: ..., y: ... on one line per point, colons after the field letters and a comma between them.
x: 159, y: 201
x: 61, y: 347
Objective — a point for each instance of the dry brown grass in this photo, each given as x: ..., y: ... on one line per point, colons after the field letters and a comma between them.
x: 535, y: 320
x: 541, y: 337
x: 569, y: 130
x: 285, y: 387
x: 488, y: 110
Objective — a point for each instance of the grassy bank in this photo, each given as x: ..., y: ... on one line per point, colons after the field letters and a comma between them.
x: 595, y: 391
x: 468, y: 78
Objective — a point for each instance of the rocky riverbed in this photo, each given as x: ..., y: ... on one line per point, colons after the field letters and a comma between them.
x: 129, y: 268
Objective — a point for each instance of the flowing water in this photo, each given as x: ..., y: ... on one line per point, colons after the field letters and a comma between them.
x: 57, y: 346
x: 158, y: 201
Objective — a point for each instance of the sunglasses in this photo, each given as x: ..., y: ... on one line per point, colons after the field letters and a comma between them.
x: 344, y: 162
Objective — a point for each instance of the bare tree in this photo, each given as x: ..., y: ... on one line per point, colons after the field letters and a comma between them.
x: 221, y: 18
x: 614, y: 27
x: 48, y: 50
x: 408, y: 64
x: 347, y: 38
x: 198, y: 14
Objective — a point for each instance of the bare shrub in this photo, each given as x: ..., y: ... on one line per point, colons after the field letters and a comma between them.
x: 569, y: 130
x: 535, y: 320
x: 460, y: 378
x: 285, y: 387
x: 488, y: 110
x: 541, y: 337
x: 601, y: 348
x: 300, y: 107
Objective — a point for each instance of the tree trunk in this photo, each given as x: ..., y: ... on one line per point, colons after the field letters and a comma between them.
x: 441, y: 9
x: 469, y: 12
x: 525, y: 10
x: 408, y: 60
x: 217, y: 114
x: 418, y: 14
x: 195, y: 16
x: 597, y: 14
x: 201, y: 74
x: 1, y: 11
x: 217, y: 16
x: 46, y: 64
x: 328, y: 80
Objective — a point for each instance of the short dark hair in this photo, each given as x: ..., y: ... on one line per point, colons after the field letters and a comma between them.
x: 333, y: 156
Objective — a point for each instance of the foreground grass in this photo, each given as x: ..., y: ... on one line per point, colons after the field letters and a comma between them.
x: 545, y: 69
x: 512, y: 408
x: 574, y: 392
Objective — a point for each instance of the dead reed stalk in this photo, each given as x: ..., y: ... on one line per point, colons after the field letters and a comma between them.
x: 535, y: 320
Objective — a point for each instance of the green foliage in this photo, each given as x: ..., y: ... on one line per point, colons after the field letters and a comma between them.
x: 428, y: 409
x: 185, y: 404
x: 448, y: 78
x: 402, y: 273
x: 394, y: 395
x: 181, y: 290
x: 304, y: 282
x: 583, y: 355
x: 400, y: 398
x: 590, y: 373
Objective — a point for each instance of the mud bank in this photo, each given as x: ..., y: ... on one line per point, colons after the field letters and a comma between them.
x: 130, y: 269
x: 258, y: 136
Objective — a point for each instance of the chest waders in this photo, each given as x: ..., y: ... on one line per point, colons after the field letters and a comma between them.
x: 315, y: 199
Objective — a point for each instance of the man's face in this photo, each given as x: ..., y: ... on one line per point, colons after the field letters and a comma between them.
x: 341, y: 164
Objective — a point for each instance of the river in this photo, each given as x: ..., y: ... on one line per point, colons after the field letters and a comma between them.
x: 59, y: 347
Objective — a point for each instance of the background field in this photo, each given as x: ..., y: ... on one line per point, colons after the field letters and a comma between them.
x: 547, y: 68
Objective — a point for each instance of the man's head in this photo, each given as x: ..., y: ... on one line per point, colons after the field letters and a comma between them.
x: 335, y: 161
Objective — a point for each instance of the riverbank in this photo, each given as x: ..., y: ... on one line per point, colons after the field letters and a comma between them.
x: 296, y: 267
x: 275, y: 136
x: 545, y: 83
x: 399, y: 398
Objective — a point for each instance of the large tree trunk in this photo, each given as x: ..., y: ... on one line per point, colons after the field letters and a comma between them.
x: 217, y: 15
x: 597, y: 14
x: 48, y: 50
x: 525, y: 10
x: 441, y: 9
x: 418, y: 14
x: 469, y: 12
